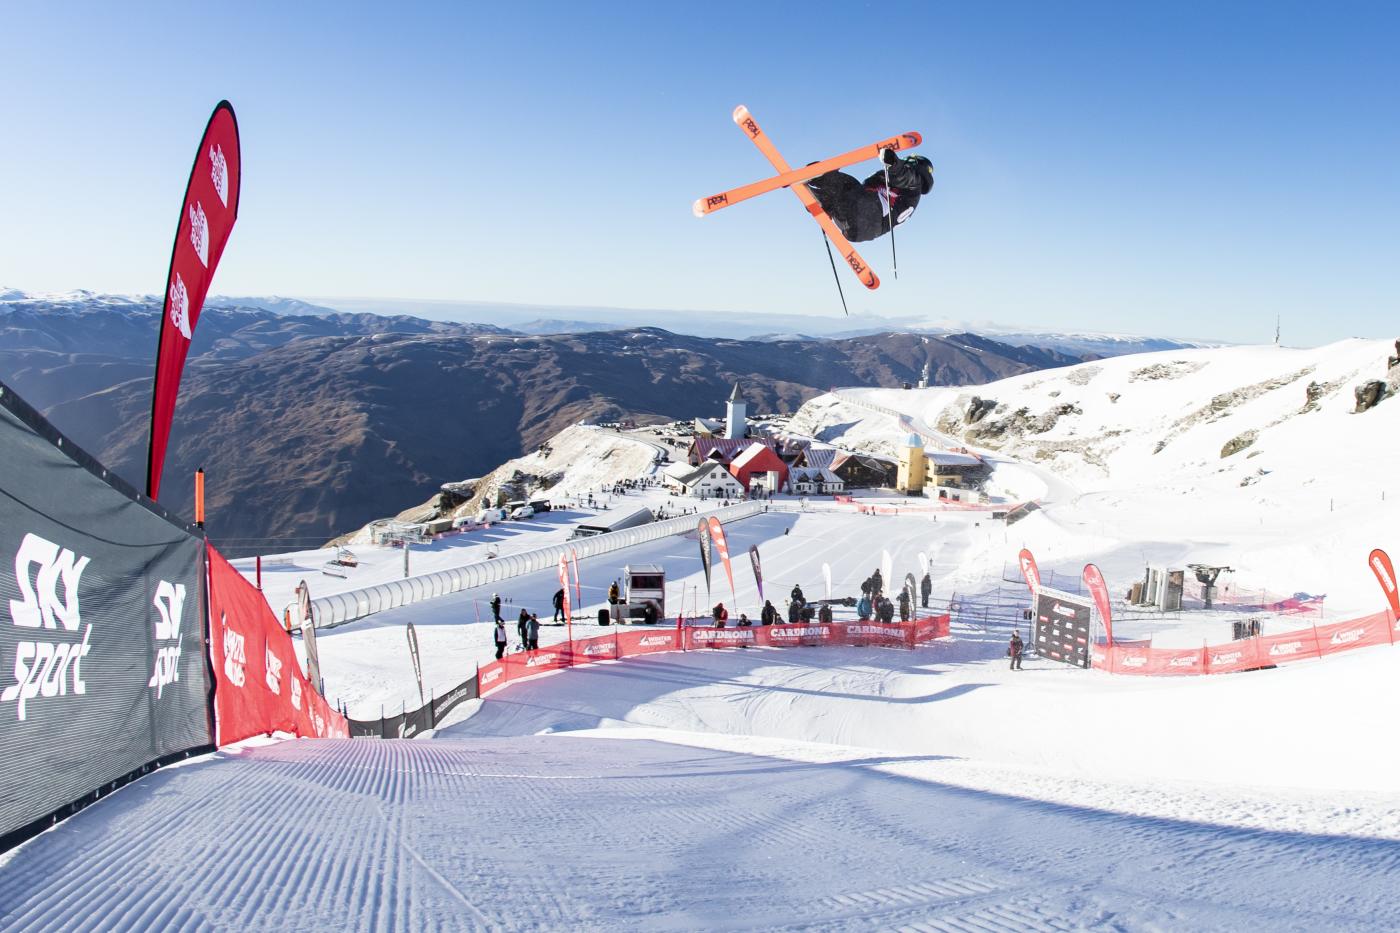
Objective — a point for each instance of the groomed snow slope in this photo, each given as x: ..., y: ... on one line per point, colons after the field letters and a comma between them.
x: 599, y: 824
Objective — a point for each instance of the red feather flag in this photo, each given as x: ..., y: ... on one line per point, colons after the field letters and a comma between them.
x: 206, y: 220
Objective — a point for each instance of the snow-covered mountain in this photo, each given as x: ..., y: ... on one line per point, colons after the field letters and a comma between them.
x: 1252, y: 456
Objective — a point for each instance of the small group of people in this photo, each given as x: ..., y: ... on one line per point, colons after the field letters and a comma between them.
x: 879, y: 607
x: 721, y: 617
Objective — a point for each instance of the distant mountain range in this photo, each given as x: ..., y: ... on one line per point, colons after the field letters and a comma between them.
x: 311, y: 424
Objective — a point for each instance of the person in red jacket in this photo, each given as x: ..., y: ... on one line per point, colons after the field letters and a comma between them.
x: 1013, y: 651
x: 721, y: 615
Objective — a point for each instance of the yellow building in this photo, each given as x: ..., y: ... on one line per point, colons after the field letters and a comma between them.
x: 913, y: 467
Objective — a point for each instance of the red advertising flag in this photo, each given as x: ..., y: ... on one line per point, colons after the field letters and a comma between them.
x: 206, y: 220
x: 1098, y: 589
x: 1385, y: 574
x: 722, y: 546
x: 1030, y: 571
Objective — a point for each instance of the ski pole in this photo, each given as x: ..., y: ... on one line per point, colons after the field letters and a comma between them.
x: 889, y: 206
x: 836, y: 274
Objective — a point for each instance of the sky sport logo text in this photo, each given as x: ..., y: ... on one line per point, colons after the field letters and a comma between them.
x: 47, y: 578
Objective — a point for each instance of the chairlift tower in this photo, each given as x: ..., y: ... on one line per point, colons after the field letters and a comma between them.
x: 1207, y: 576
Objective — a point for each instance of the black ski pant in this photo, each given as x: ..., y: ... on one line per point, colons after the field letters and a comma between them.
x: 500, y: 649
x: 857, y: 210
x: 1015, y: 662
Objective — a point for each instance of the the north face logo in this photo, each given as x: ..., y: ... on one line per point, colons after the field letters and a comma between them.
x: 235, y: 659
x: 180, y: 306
x: 199, y: 233
x: 218, y: 173
x: 274, y: 671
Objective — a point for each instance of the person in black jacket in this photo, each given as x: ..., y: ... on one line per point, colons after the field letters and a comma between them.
x: 1015, y: 650
x: 925, y: 588
x: 862, y: 210
x: 496, y: 607
x: 558, y: 606
x: 904, y: 605
x: 520, y: 627
x: 769, y: 615
x: 824, y: 614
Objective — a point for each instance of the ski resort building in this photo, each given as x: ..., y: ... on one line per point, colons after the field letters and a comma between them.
x: 752, y: 466
x: 913, y: 466
x: 710, y: 480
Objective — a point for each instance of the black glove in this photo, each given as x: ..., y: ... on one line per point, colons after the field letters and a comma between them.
x: 889, y: 157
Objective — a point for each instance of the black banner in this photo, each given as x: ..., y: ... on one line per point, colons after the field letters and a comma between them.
x: 406, y: 725
x: 1062, y: 628
x: 102, y: 657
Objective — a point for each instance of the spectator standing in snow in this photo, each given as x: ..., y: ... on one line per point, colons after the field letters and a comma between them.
x: 612, y: 594
x: 925, y: 588
x: 558, y: 606
x: 520, y: 626
x: 824, y: 615
x: 721, y: 615
x: 794, y: 613
x: 863, y: 608
x: 904, y: 605
x: 797, y: 596
x: 886, y: 610
x: 877, y: 583
x: 769, y: 615
x: 496, y: 607
x: 1013, y: 651
x: 744, y: 621
x: 500, y: 640
x: 532, y: 632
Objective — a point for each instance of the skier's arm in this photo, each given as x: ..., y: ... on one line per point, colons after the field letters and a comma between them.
x: 902, y: 175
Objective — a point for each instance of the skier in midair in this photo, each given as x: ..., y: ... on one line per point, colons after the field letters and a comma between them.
x: 862, y: 210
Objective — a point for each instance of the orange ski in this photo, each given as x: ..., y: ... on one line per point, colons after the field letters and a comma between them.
x: 864, y: 154
x: 833, y: 233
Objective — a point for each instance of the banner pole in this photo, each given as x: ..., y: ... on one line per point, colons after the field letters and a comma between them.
x: 199, y: 497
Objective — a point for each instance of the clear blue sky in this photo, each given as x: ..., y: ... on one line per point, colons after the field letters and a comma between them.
x: 1190, y: 169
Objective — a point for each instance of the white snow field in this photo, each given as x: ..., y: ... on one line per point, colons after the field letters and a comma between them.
x: 853, y: 788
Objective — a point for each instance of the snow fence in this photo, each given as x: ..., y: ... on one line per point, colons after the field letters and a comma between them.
x: 695, y: 634
x: 330, y: 611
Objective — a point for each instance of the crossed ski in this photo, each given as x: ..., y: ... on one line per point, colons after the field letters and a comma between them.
x: 788, y: 177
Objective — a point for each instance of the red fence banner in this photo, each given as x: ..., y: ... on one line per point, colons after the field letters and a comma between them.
x: 1098, y: 589
x: 206, y: 220
x: 812, y: 635
x: 878, y: 634
x: 697, y: 637
x: 647, y: 642
x: 1385, y: 575
x: 722, y: 546
x: 1030, y: 571
x: 258, y: 684
x: 1366, y: 632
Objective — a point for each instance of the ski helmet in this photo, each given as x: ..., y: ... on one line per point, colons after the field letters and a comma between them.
x: 924, y: 167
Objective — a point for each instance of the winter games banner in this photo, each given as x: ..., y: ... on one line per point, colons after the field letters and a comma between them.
x: 102, y: 667
x: 206, y: 220
x: 1062, y: 628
